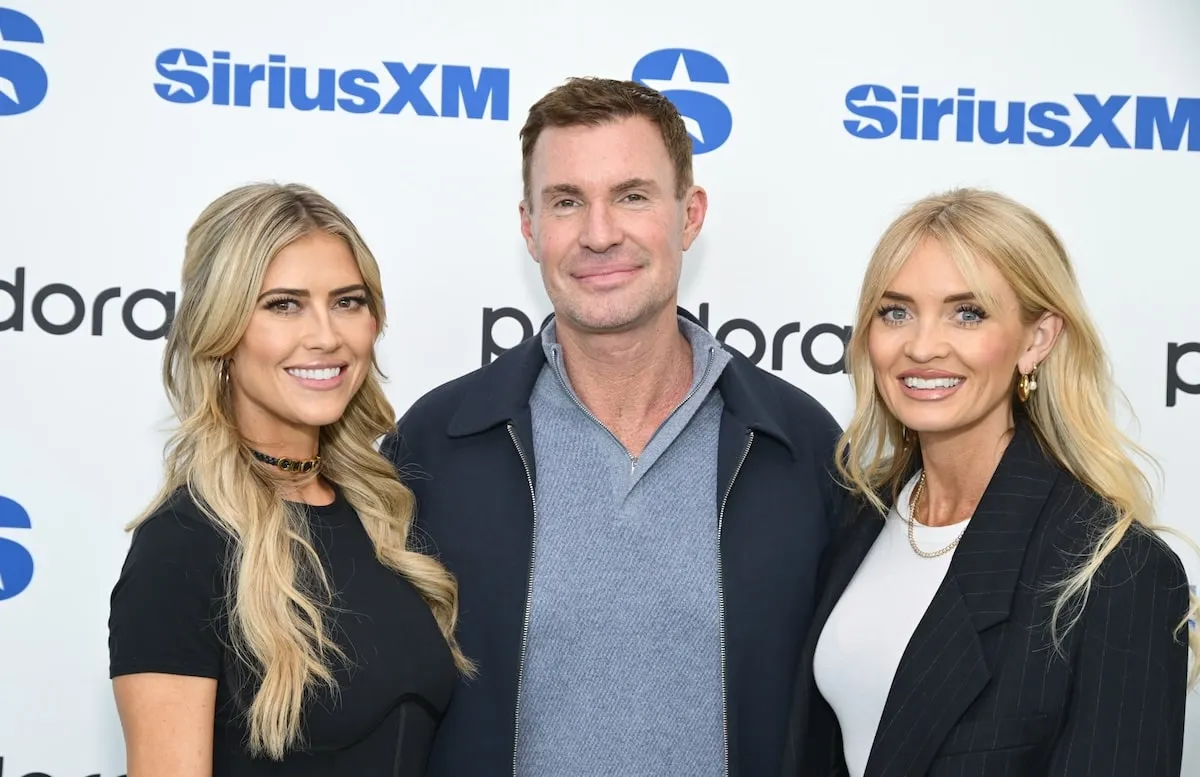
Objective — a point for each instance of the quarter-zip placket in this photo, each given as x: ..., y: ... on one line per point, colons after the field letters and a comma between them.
x: 633, y: 460
x: 533, y: 556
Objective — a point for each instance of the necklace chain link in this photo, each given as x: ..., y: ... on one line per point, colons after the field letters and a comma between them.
x: 912, y: 521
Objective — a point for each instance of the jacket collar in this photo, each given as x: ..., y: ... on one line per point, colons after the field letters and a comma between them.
x: 501, y: 394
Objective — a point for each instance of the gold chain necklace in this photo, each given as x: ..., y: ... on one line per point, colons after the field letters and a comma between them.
x: 912, y: 520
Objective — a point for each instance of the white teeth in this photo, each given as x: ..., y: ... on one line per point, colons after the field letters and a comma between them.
x: 922, y: 383
x: 329, y: 373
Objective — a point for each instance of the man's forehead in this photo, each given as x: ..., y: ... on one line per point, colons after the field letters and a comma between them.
x: 592, y: 153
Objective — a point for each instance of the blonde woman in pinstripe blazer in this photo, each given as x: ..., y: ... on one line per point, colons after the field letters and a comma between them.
x: 998, y: 602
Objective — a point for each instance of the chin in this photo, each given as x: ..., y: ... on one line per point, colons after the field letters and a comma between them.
x: 321, y: 418
x: 936, y: 423
x: 608, y: 315
x: 930, y: 422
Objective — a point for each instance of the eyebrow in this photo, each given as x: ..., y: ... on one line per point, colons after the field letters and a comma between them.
x: 305, y: 293
x: 575, y: 191
x: 965, y: 296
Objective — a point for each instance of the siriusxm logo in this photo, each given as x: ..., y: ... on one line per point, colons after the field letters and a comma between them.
x: 16, y: 563
x: 23, y: 82
x: 191, y: 77
x: 1090, y: 119
x: 707, y: 118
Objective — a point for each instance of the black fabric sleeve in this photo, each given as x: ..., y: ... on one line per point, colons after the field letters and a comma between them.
x: 1126, y: 716
x: 165, y: 609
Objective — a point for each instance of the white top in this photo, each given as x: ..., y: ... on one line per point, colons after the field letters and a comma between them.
x: 869, y: 628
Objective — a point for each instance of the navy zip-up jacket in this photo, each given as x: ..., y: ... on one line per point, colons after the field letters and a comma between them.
x: 466, y: 450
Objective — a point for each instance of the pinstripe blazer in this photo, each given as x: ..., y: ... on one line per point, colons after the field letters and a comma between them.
x: 980, y: 690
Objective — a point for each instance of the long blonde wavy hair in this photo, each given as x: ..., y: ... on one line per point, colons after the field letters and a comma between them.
x: 278, y: 595
x: 1072, y: 410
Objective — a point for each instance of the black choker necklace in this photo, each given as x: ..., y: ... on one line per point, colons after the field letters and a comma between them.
x: 289, y: 465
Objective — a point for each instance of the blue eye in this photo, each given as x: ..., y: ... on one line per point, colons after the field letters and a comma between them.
x: 971, y: 314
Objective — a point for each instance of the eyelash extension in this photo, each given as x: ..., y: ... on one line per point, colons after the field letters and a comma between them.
x: 273, y: 303
x: 973, y: 309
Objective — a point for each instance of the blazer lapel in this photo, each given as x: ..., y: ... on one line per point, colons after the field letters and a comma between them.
x: 943, y: 668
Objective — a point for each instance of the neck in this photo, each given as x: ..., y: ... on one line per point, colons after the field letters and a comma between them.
x: 296, y: 447
x: 958, y: 467
x: 267, y: 433
x: 285, y: 441
x: 629, y: 380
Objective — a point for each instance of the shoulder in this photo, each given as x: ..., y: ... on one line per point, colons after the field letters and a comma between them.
x: 1142, y: 554
x: 427, y: 419
x: 178, y: 531
x: 435, y: 408
x: 476, y: 400
x: 808, y: 422
x: 166, y: 611
x: 1081, y: 517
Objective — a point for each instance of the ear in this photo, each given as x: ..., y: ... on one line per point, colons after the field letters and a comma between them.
x: 526, y: 211
x: 1041, y: 340
x: 695, y: 208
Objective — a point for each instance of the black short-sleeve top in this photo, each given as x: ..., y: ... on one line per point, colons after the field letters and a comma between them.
x: 169, y: 614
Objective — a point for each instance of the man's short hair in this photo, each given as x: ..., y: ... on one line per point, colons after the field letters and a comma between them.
x: 592, y: 102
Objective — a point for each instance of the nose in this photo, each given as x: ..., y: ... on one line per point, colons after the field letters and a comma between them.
x: 321, y: 331
x: 602, y: 229
x: 925, y: 342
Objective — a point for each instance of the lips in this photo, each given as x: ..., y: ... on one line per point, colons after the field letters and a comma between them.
x: 604, y: 272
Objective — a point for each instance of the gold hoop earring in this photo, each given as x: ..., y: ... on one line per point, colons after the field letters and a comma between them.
x: 1027, y: 385
x: 223, y: 374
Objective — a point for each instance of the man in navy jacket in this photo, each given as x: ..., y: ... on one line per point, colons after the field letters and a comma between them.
x: 634, y: 513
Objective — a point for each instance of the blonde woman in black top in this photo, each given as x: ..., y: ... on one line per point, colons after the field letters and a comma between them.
x: 271, y: 617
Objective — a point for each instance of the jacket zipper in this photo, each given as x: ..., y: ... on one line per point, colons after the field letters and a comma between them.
x: 721, y: 597
x: 528, y: 595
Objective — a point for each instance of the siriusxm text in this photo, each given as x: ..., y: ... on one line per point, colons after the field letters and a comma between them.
x: 1153, y: 122
x: 191, y: 77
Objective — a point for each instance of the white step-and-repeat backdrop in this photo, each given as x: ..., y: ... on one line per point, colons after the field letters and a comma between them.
x: 814, y: 125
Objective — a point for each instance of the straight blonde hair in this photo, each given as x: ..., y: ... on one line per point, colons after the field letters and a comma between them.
x: 1072, y: 409
x: 278, y: 595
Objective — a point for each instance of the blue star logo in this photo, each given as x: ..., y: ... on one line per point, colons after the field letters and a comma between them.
x: 16, y: 563
x: 23, y: 81
x: 676, y: 73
